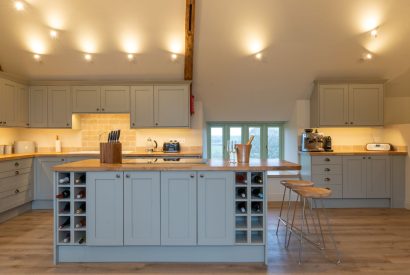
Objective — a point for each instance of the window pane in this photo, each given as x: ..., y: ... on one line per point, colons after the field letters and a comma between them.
x: 256, y: 144
x: 273, y: 142
x: 235, y: 134
x: 216, y: 142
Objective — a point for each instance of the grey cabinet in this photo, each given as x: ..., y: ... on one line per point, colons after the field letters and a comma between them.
x: 354, y: 177
x: 43, y: 178
x: 142, y: 220
x: 38, y: 107
x: 178, y: 208
x: 13, y: 104
x: 50, y: 107
x: 215, y: 208
x: 59, y: 107
x: 104, y: 99
x: 347, y: 104
x: 105, y: 208
x: 160, y: 106
x: 22, y: 106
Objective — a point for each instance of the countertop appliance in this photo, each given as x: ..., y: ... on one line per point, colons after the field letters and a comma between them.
x: 327, y: 144
x: 312, y: 141
x: 172, y: 146
x: 378, y: 147
x: 24, y: 147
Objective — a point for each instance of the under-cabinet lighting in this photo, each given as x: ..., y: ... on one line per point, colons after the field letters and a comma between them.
x: 367, y: 56
x: 19, y: 5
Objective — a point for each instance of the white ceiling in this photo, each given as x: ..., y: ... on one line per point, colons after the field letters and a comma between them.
x: 300, y: 41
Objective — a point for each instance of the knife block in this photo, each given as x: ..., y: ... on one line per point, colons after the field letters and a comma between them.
x: 111, y: 152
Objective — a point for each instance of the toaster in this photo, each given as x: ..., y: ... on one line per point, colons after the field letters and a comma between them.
x: 172, y: 146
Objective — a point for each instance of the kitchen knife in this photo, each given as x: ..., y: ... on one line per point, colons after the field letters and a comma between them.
x: 109, y: 137
x: 119, y: 134
x: 115, y: 136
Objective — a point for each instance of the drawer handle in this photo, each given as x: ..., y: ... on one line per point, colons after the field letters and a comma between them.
x: 327, y: 159
x: 127, y: 176
x: 17, y: 173
x: 192, y: 176
x: 16, y: 191
x: 16, y: 164
x: 118, y: 176
x: 327, y: 169
x: 201, y: 176
x: 326, y: 179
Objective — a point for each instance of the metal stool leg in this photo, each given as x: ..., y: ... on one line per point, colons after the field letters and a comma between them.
x: 330, y: 232
x: 301, y: 229
x: 280, y: 212
x: 293, y: 220
x: 287, y: 215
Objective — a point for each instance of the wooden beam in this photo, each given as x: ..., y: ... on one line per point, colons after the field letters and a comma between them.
x: 189, y: 39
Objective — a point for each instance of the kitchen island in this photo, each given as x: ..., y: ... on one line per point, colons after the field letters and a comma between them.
x: 162, y: 211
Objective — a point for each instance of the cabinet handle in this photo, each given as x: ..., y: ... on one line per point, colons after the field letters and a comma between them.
x: 133, y: 124
x: 327, y: 159
x: 4, y: 122
x: 17, y: 173
x: 369, y: 157
x: 156, y: 123
x: 201, y: 176
x: 327, y: 169
x: 127, y: 176
x: 16, y: 191
x: 28, y: 124
x: 326, y: 179
x: 98, y: 109
x: 346, y: 122
x: 192, y: 176
x: 118, y: 176
x: 68, y: 124
x: 364, y: 157
x: 102, y: 109
x: 16, y: 164
x: 351, y: 122
x: 62, y: 159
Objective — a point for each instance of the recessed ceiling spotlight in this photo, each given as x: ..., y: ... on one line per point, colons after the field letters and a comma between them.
x: 19, y: 5
x: 53, y: 34
x: 374, y: 33
x: 88, y: 57
x: 130, y: 57
x: 174, y: 57
x: 258, y: 56
x: 367, y: 56
x: 37, y: 57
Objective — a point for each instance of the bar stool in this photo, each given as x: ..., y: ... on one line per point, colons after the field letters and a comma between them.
x: 289, y: 185
x: 314, y: 194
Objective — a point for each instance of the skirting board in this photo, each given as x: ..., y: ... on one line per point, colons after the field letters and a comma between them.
x: 42, y: 204
x: 162, y: 254
x: 408, y: 205
x: 9, y: 214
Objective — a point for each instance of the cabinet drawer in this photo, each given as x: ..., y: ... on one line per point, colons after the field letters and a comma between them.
x: 16, y: 164
x: 15, y: 200
x: 337, y: 190
x: 13, y: 182
x: 327, y: 169
x: 327, y: 179
x: 326, y: 160
x: 17, y: 188
x: 13, y: 173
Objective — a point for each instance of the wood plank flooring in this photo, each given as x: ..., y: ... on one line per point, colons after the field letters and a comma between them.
x: 372, y: 241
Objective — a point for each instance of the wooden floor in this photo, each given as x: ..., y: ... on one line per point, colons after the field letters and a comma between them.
x: 371, y: 241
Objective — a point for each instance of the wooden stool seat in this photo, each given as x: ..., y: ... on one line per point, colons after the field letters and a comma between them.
x: 313, y: 192
x: 296, y: 183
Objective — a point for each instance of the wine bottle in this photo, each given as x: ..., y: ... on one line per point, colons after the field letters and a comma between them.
x: 80, y: 209
x: 256, y: 207
x: 241, y: 207
x: 256, y: 192
x: 65, y: 224
x: 81, y: 240
x: 64, y: 194
x: 241, y: 193
x: 66, y: 208
x: 64, y: 180
x: 81, y: 194
x: 80, y: 179
x: 66, y: 238
x: 80, y: 224
x: 257, y: 179
x: 240, y: 178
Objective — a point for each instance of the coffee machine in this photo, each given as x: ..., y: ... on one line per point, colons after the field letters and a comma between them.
x: 312, y: 141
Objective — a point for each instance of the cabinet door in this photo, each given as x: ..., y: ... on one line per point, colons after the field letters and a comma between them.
x: 38, y: 107
x: 59, y: 108
x: 8, y: 97
x: 354, y: 177
x: 44, y: 178
x: 215, y: 208
x: 142, y: 106
x: 178, y: 208
x: 142, y: 220
x: 333, y: 105
x: 105, y: 201
x: 86, y: 99
x: 378, y: 177
x: 366, y: 104
x: 21, y: 106
x: 115, y: 99
x: 171, y: 107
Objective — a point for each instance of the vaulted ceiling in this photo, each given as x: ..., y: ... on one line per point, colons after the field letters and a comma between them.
x: 299, y: 42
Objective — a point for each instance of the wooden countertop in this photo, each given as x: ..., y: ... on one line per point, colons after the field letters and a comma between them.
x: 138, y: 153
x: 354, y: 153
x: 209, y: 165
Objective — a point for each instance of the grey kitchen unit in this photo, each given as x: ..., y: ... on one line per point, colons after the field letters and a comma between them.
x: 158, y: 215
x: 348, y: 104
x: 367, y: 180
x: 13, y: 104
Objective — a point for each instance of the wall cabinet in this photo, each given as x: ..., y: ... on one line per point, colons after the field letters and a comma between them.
x: 160, y: 106
x: 105, y: 208
x: 344, y: 104
x: 13, y: 104
x: 215, y: 208
x: 101, y: 99
x: 178, y: 208
x: 50, y: 107
x: 142, y: 220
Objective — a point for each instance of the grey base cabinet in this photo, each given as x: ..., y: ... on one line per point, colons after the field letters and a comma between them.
x: 178, y: 208
x: 215, y: 208
x: 105, y: 210
x: 142, y: 220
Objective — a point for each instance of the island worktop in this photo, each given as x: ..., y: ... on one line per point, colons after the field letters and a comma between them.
x: 179, y: 165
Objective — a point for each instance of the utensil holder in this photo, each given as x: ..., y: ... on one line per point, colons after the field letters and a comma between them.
x: 243, y: 152
x: 111, y: 152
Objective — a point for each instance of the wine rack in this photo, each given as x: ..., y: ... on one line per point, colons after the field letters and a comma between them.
x: 70, y: 205
x: 250, y: 208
